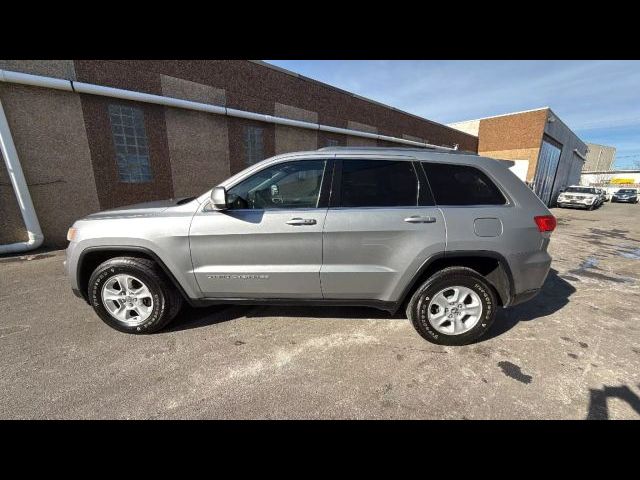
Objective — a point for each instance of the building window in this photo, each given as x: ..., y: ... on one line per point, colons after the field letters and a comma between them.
x: 130, y: 141
x: 253, y: 144
x: 331, y: 142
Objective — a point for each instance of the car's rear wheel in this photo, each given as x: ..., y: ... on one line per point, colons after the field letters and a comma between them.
x: 456, y: 306
x: 133, y: 295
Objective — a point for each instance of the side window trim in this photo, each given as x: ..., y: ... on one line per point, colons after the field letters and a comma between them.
x: 336, y: 186
x: 326, y: 188
x: 425, y: 193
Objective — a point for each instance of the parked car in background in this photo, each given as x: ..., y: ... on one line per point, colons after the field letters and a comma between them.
x: 603, y: 195
x: 576, y: 196
x: 626, y: 195
x: 445, y: 237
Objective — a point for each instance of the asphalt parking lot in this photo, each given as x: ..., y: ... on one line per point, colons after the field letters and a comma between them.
x: 571, y: 353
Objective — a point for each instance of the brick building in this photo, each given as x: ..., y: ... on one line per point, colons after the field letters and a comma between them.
x: 83, y: 152
x: 547, y: 153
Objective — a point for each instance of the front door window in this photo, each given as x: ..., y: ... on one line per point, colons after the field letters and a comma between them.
x: 283, y: 186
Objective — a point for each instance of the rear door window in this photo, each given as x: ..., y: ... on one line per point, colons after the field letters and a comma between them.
x: 378, y: 183
x: 461, y: 185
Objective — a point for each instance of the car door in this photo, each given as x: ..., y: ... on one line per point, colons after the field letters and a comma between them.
x: 381, y: 226
x: 268, y: 244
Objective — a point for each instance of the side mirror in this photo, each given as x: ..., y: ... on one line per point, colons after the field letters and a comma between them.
x: 219, y: 198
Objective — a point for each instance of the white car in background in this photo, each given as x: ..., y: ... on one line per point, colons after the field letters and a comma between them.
x: 579, y: 197
x: 603, y: 195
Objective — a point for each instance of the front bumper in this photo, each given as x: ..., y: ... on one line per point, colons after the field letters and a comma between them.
x: 65, y: 265
x: 70, y: 266
x: 625, y: 200
x: 574, y: 204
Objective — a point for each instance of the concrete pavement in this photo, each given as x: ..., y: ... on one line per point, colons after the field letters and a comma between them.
x: 571, y: 353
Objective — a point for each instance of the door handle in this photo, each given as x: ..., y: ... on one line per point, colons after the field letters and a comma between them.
x: 418, y: 219
x: 302, y: 221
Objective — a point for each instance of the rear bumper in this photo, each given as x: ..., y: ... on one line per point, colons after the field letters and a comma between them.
x: 530, y: 271
x: 523, y: 297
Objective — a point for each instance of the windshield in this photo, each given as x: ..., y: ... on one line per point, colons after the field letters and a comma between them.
x: 626, y: 190
x: 580, y: 190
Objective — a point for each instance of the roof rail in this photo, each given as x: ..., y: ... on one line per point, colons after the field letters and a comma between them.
x: 407, y: 149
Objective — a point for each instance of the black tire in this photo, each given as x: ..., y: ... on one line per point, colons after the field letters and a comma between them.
x: 167, y: 301
x: 450, y: 277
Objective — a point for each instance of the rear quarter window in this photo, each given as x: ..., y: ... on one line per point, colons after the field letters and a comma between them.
x: 461, y: 185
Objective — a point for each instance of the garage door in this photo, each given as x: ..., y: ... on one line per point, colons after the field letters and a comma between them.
x: 546, y: 171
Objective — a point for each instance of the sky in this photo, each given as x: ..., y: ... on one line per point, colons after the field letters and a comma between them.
x: 598, y: 100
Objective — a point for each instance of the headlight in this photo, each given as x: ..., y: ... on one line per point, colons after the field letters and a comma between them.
x: 71, y: 234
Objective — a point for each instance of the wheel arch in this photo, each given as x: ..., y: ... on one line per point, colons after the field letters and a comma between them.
x: 91, y: 257
x: 491, y: 265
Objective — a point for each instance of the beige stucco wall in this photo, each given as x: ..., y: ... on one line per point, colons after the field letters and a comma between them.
x: 361, y: 141
x: 48, y: 130
x: 198, y: 142
x: 48, y: 68
x: 472, y: 127
x: 11, y: 224
x: 530, y: 154
x: 291, y: 139
x: 599, y: 157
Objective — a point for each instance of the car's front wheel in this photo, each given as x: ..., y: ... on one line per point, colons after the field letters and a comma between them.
x: 133, y: 295
x: 456, y: 306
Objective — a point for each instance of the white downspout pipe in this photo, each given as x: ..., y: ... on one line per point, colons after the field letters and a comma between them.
x: 91, y: 89
x: 21, y: 190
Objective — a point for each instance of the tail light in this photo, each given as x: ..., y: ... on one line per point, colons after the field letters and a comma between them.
x: 546, y: 223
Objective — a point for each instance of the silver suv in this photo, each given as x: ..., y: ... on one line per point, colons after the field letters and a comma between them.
x: 448, y: 237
